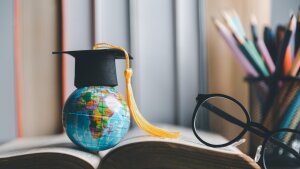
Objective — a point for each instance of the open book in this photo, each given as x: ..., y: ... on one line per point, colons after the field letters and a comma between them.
x: 136, y: 151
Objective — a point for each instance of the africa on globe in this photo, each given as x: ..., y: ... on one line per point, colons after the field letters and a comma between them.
x: 96, y: 117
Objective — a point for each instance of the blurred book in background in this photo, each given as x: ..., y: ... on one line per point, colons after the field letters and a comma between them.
x: 7, y: 73
x: 30, y: 75
x: 40, y: 71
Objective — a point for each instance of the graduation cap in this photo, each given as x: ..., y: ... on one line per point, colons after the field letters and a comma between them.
x: 95, y: 67
x: 98, y: 68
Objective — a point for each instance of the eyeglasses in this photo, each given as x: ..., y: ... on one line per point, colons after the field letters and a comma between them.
x: 280, y: 148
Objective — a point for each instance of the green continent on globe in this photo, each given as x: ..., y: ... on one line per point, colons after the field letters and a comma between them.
x: 100, y: 111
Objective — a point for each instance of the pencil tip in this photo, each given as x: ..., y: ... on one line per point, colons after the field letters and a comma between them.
x: 226, y: 15
x: 291, y: 12
x: 213, y: 19
x: 298, y: 15
x: 253, y: 19
x: 292, y: 23
x: 234, y: 12
x: 217, y: 23
x: 227, y: 18
x: 239, y: 39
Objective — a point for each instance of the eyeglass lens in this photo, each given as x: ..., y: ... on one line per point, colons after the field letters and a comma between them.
x: 217, y: 108
x: 278, y: 157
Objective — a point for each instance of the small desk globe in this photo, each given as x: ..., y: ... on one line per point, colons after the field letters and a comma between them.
x: 96, y: 118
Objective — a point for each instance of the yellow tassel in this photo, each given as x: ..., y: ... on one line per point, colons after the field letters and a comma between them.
x: 134, y: 111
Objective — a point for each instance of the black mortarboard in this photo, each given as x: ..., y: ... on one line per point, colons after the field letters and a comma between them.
x: 95, y: 67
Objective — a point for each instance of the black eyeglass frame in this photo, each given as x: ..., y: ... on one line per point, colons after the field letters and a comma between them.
x: 251, y: 126
x: 272, y: 133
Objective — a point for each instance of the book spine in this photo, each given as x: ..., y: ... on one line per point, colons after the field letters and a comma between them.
x: 17, y: 62
x: 39, y: 80
x: 8, y: 126
x: 76, y: 35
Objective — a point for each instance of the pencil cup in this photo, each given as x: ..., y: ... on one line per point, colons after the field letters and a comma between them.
x: 275, y: 104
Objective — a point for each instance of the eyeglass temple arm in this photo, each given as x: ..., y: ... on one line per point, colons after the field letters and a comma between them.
x: 236, y: 121
x: 224, y: 115
x: 283, y: 145
x: 271, y: 139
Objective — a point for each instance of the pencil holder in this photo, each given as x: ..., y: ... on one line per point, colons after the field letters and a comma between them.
x: 274, y: 103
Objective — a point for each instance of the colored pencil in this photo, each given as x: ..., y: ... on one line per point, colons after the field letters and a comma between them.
x: 290, y: 112
x: 246, y: 46
x: 283, y: 47
x: 279, y: 67
x: 297, y: 33
x: 236, y: 19
x: 293, y: 86
x: 292, y: 41
x: 287, y: 62
x: 296, y: 64
x: 246, y: 65
x: 294, y: 124
x: 280, y: 105
x: 269, y: 39
x: 246, y: 50
x: 284, y: 97
x: 266, y: 55
x: 280, y: 30
x: 231, y: 25
x: 254, y: 28
x: 289, y: 54
x: 227, y: 36
x: 255, y: 54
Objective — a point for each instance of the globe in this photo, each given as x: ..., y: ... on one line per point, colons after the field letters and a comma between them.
x: 96, y: 118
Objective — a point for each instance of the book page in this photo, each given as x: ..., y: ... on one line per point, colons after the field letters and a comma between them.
x: 139, y: 150
x: 61, y: 144
x: 136, y: 135
x: 47, y: 144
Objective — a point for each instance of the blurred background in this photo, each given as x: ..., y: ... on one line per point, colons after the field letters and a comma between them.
x: 177, y: 52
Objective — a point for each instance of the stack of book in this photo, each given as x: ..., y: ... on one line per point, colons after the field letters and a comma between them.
x: 30, y: 77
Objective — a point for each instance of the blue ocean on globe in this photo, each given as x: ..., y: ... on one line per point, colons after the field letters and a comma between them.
x: 96, y: 118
